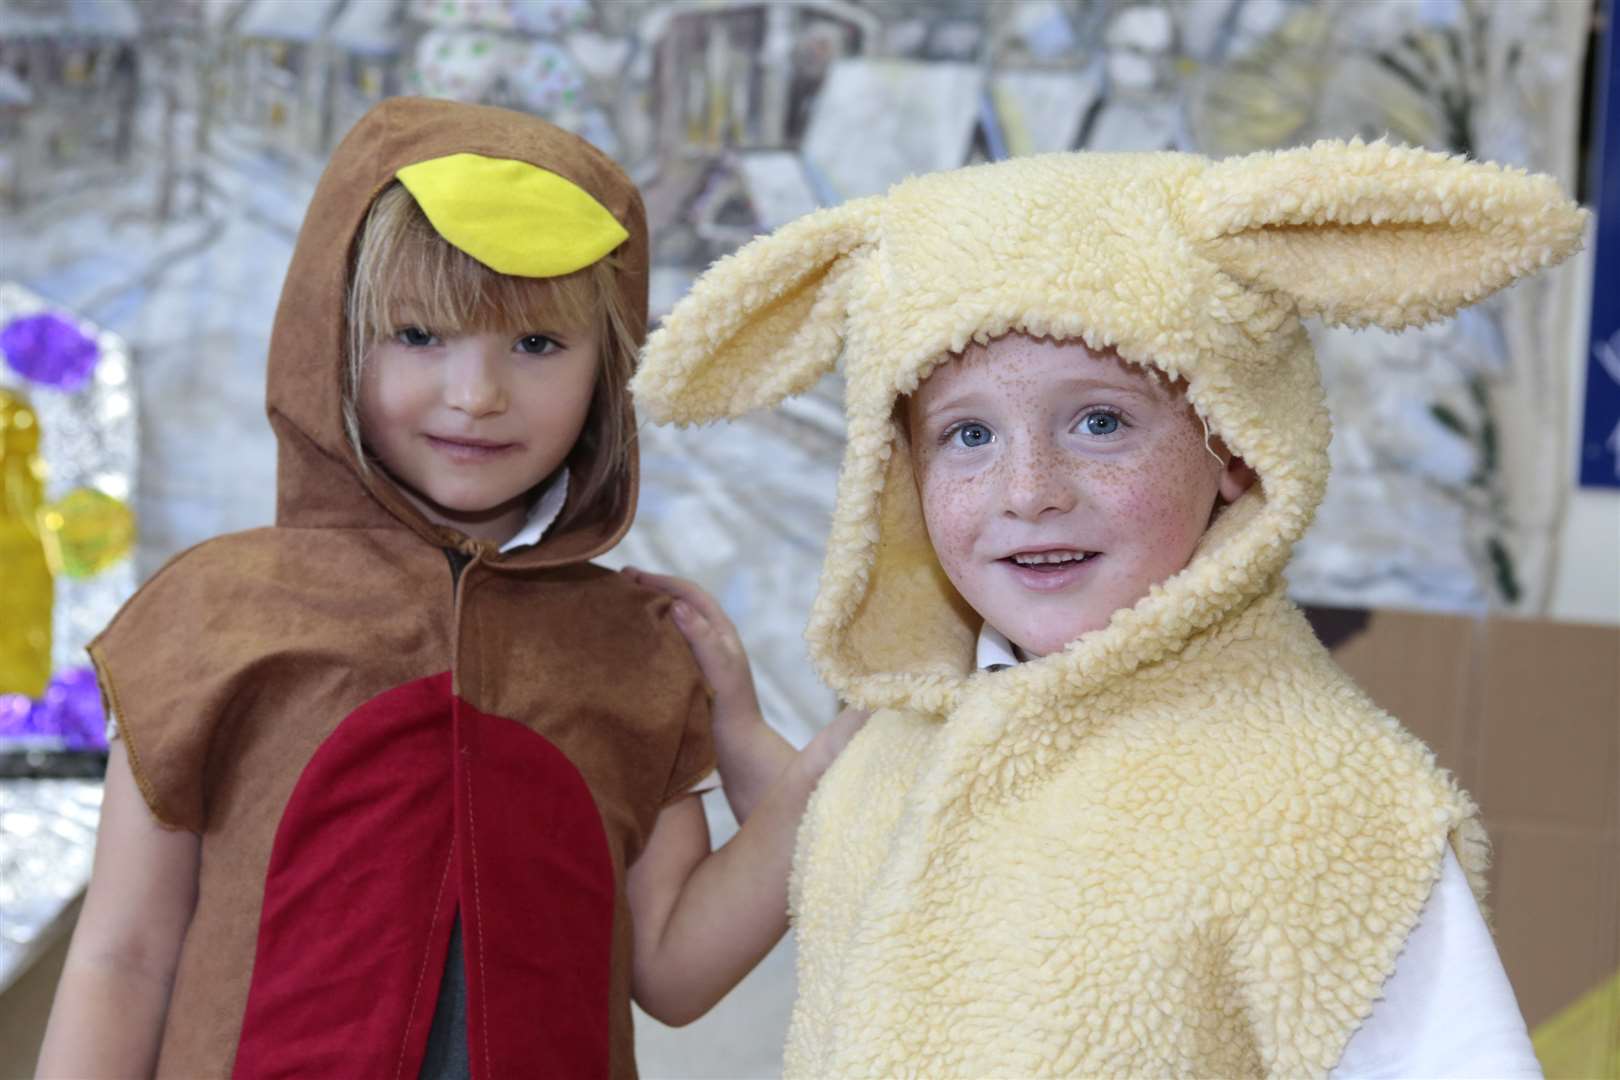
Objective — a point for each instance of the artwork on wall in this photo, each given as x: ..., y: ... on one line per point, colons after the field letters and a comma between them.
x: 734, y: 116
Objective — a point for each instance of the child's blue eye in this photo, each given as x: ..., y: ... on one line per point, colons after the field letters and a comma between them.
x: 414, y: 336
x: 537, y: 343
x: 972, y: 435
x: 1100, y: 423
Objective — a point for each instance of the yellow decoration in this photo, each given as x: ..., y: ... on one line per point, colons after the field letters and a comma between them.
x: 513, y: 217
x: 25, y: 610
x: 1583, y: 1041
x: 87, y: 531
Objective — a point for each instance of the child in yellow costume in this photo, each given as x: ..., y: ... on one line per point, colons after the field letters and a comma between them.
x: 1116, y: 811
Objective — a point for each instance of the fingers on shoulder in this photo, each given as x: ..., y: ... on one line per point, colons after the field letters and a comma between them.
x: 694, y: 605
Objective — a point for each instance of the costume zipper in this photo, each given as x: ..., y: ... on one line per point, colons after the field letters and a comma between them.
x: 458, y: 563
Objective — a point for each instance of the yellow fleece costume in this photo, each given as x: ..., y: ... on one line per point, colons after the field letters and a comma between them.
x: 1186, y: 844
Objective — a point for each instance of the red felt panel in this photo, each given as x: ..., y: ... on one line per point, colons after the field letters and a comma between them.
x: 359, y: 898
x: 416, y: 806
x: 537, y: 905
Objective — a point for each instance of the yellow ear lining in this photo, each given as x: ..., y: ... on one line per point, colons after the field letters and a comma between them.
x: 760, y: 325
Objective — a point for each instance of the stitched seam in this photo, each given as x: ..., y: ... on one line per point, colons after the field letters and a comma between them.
x: 142, y: 781
x: 421, y: 972
x: 478, y: 910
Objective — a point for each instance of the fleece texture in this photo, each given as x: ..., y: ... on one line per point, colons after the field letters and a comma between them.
x: 1186, y: 844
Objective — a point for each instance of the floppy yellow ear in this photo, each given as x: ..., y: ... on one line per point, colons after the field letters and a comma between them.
x: 760, y: 325
x: 1360, y: 233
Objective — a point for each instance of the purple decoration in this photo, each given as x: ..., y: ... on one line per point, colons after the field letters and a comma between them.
x: 50, y: 350
x: 16, y: 710
x: 70, y: 711
x: 72, y: 708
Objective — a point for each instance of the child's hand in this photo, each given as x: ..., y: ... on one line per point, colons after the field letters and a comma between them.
x: 715, y: 644
x: 751, y: 755
x: 830, y: 741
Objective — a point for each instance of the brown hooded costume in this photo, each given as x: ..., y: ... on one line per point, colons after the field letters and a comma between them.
x: 378, y: 726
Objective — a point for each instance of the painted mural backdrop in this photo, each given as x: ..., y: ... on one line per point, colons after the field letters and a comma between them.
x: 155, y: 158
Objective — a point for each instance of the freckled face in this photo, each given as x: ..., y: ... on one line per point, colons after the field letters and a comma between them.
x: 1059, y: 485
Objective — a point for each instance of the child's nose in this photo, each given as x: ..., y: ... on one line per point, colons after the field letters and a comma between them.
x: 1037, y: 481
x: 475, y: 381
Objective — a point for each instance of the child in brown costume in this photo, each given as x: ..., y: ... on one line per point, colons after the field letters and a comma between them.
x: 402, y: 783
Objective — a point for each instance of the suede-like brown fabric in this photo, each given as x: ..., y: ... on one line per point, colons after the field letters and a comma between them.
x: 231, y: 666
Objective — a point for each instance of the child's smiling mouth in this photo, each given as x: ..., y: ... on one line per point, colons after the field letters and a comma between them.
x: 1056, y: 557
x: 1049, y: 569
x: 464, y: 448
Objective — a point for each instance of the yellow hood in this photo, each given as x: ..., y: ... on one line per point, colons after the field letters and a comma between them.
x: 1202, y: 269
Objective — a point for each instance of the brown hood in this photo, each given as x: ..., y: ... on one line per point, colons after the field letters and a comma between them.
x: 319, y: 481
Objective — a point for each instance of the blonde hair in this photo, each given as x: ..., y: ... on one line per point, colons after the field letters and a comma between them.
x: 400, y: 259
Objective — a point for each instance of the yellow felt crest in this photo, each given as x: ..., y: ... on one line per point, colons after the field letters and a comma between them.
x: 513, y: 217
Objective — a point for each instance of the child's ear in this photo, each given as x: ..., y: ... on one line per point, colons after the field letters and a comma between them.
x: 760, y: 325
x: 1364, y: 234
x: 1236, y: 478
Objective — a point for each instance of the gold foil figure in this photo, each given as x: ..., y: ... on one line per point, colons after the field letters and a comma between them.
x: 27, y: 595
x: 87, y: 531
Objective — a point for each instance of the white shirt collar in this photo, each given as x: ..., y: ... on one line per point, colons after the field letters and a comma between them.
x: 542, y: 514
x: 995, y: 651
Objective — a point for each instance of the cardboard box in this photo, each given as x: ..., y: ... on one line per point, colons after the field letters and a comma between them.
x: 1526, y: 713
